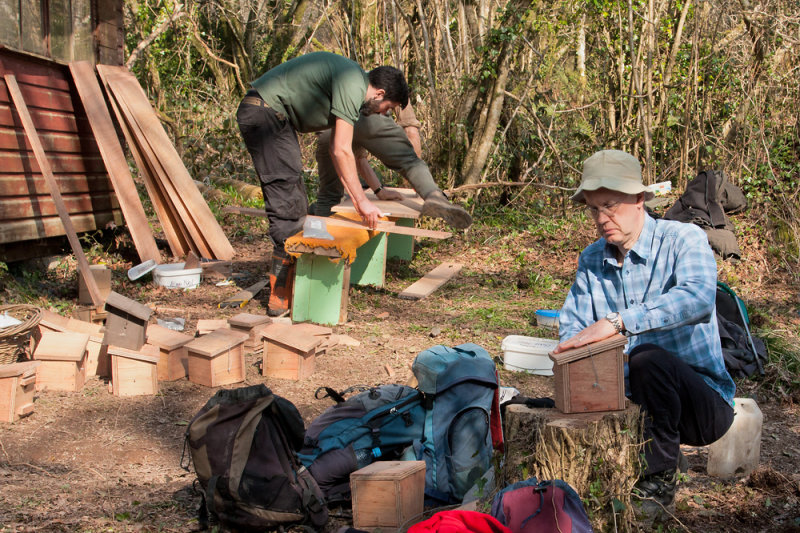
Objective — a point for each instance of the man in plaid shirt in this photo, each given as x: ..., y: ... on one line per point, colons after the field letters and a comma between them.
x: 654, y: 281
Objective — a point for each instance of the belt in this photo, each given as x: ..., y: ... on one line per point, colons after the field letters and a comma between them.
x: 254, y: 100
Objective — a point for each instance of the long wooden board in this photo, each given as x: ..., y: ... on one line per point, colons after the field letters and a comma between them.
x: 431, y: 281
x: 170, y: 195
x: 110, y: 148
x: 127, y: 89
x: 386, y: 227
x: 44, y: 167
x: 409, y: 207
x: 178, y: 244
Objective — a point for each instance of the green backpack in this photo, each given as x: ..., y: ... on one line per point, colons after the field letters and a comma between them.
x: 244, y: 444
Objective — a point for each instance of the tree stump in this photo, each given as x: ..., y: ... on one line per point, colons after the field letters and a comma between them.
x: 596, y: 453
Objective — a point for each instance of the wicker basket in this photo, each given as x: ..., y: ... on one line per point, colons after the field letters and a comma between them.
x: 15, y: 340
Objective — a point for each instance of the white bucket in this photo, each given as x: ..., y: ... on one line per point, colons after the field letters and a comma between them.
x: 528, y: 354
x: 174, y: 276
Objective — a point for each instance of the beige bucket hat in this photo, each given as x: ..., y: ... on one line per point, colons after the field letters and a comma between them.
x: 614, y: 170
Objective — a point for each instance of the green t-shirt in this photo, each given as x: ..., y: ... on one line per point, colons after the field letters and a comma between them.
x: 314, y: 89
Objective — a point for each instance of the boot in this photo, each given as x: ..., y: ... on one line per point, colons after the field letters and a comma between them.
x: 281, y: 281
x: 438, y: 206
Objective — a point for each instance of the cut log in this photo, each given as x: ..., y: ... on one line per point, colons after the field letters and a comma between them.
x: 596, y: 453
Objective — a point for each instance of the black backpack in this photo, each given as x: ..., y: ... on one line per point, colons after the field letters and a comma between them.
x: 244, y: 444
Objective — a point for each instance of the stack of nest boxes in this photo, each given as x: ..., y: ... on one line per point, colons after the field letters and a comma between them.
x: 133, y: 369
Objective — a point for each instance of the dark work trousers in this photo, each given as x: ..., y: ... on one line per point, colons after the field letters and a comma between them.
x: 680, y: 408
x: 273, y: 145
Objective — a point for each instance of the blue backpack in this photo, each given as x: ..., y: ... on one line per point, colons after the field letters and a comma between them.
x: 459, y: 385
x: 378, y: 423
x: 532, y: 506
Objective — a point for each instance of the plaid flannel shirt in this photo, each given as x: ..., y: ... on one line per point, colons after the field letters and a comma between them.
x: 665, y: 292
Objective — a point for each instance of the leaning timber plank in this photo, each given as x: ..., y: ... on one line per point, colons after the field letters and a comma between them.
x: 178, y: 244
x: 384, y: 226
x: 175, y: 170
x: 431, y: 281
x: 95, y: 106
x: 44, y: 166
x: 171, y: 200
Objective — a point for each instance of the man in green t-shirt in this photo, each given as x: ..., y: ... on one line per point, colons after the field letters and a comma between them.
x: 314, y: 92
x: 393, y: 143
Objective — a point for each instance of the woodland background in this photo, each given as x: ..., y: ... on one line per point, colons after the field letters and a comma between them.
x: 513, y: 95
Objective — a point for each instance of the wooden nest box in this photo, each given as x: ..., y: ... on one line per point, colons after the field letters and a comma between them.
x: 217, y: 358
x: 591, y: 378
x: 126, y: 324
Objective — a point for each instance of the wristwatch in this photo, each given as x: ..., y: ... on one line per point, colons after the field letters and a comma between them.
x: 379, y: 189
x: 615, y: 321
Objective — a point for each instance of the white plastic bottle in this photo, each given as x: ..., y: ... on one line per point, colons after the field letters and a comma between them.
x: 738, y: 451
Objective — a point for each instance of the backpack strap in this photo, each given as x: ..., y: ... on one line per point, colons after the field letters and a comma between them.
x: 338, y: 397
x: 539, y: 489
x: 208, y: 498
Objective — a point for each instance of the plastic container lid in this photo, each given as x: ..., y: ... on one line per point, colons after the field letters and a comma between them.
x: 140, y: 270
x: 549, y: 313
x: 532, y: 345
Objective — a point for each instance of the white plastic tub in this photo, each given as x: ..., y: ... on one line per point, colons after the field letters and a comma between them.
x: 528, y: 354
x: 174, y: 276
x: 547, y: 318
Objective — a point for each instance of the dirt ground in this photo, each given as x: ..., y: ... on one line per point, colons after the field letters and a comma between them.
x: 89, y: 461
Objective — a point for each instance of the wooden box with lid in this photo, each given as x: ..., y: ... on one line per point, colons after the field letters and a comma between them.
x: 387, y: 494
x: 134, y: 373
x: 591, y: 378
x: 17, y: 387
x: 173, y: 361
x: 63, y: 361
x: 251, y: 325
x: 217, y: 358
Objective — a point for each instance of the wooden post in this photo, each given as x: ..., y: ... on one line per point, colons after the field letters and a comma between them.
x: 44, y: 166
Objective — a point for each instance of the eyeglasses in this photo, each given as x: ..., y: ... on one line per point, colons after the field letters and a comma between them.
x: 607, y: 209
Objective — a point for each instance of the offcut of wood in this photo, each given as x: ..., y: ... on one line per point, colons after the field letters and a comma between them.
x: 431, y: 281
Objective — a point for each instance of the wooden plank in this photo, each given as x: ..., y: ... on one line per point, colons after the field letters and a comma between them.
x: 45, y: 98
x: 24, y: 162
x: 241, y: 298
x: 171, y: 201
x: 431, y: 281
x: 409, y: 207
x: 35, y: 184
x: 178, y: 244
x: 38, y: 206
x: 45, y: 120
x: 14, y: 139
x: 34, y: 71
x: 111, y: 150
x: 298, y: 338
x: 30, y: 229
x: 384, y: 226
x: 179, y: 216
x: 44, y: 166
x: 176, y: 173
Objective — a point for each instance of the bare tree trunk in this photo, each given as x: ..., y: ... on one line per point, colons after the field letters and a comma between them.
x: 484, y: 136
